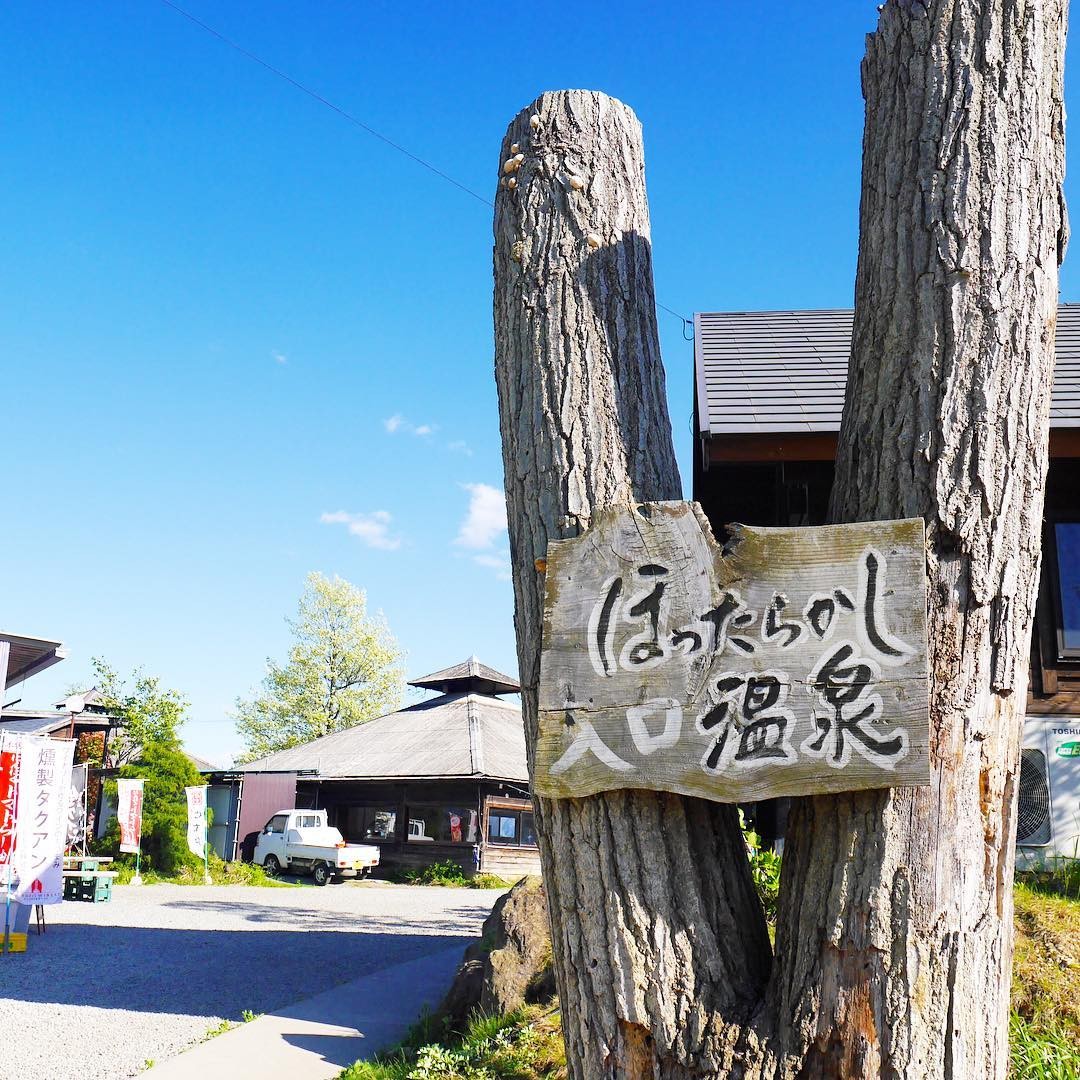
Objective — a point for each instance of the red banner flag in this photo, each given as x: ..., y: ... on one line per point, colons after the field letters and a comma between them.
x: 129, y: 795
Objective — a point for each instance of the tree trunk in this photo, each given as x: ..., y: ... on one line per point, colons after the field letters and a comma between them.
x: 894, y: 933
x: 900, y: 966
x: 656, y: 926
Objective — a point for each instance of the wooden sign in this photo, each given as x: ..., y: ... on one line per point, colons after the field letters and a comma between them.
x: 795, y: 664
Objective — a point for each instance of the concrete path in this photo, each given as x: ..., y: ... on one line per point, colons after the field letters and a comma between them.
x: 318, y: 1037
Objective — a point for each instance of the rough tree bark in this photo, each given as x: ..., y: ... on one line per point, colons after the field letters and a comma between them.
x: 648, y: 894
x: 902, y: 964
x: 894, y: 935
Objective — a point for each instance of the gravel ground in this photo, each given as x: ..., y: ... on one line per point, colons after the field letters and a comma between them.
x: 110, y: 987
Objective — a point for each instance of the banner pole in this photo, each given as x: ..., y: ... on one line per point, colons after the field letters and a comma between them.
x: 206, y: 836
x: 5, y: 652
x: 7, y: 910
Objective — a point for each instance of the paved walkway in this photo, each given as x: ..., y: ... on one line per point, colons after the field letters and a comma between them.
x: 318, y: 1037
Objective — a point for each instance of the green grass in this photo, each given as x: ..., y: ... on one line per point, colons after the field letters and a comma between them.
x: 525, y: 1045
x: 1044, y: 1031
x: 221, y: 873
x: 1049, y: 1052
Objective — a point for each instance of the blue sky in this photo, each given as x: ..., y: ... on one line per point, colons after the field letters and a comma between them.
x: 243, y: 340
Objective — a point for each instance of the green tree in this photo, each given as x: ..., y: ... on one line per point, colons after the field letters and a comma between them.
x: 167, y: 770
x: 147, y: 713
x: 344, y: 667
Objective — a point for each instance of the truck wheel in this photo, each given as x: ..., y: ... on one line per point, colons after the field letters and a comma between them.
x: 271, y: 866
x: 320, y: 873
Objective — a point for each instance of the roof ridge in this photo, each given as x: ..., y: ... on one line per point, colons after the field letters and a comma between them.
x: 476, y: 736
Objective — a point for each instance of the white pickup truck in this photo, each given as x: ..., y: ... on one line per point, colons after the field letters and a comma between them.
x: 301, y: 842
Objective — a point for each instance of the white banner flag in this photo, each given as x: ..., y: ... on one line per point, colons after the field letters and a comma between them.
x: 196, y: 820
x: 76, y: 819
x: 41, y: 818
x: 129, y: 797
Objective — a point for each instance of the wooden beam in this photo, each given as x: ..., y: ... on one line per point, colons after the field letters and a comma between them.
x: 765, y: 447
x: 821, y: 446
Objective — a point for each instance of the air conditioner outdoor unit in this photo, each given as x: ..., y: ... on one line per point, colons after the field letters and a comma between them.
x: 1048, y: 808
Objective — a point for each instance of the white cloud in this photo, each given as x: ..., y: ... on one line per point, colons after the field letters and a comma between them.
x: 486, y: 519
x: 399, y: 422
x: 499, y: 563
x: 373, y: 529
x: 460, y: 446
x: 281, y: 358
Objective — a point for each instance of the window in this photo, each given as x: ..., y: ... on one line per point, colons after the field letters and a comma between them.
x: 367, y: 823
x: 442, y: 824
x: 309, y: 821
x: 511, y: 827
x: 1067, y: 552
x: 276, y: 824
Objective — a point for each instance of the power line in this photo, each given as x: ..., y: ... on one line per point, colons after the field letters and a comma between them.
x: 316, y: 96
x: 325, y: 101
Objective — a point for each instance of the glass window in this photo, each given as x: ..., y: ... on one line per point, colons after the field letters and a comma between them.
x: 366, y: 823
x: 1067, y: 543
x: 442, y: 824
x: 516, y: 827
x: 528, y: 829
x: 276, y: 824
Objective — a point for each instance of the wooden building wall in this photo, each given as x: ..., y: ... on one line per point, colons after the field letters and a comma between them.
x: 344, y: 799
x: 765, y: 483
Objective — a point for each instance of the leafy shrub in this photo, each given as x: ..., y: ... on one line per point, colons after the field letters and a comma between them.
x: 167, y: 771
x: 449, y: 873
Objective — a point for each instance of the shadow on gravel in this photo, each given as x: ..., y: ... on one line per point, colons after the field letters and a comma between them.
x: 453, y: 921
x: 212, y: 973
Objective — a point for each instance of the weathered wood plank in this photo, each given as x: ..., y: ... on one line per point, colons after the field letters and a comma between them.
x: 794, y: 664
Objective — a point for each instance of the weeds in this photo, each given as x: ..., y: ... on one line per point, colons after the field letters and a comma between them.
x: 219, y: 1029
x: 765, y: 870
x: 449, y: 873
x: 1057, y: 876
x: 525, y: 1045
x: 221, y: 873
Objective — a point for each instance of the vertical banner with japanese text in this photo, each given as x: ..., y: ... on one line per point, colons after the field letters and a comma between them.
x: 9, y: 779
x: 129, y: 798
x: 76, y: 820
x: 41, y: 818
x: 196, y: 816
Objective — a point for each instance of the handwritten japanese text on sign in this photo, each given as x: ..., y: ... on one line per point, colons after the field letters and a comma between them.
x: 795, y: 664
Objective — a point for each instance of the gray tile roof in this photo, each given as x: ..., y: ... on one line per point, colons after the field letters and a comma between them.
x: 470, y: 675
x: 784, y: 371
x: 33, y: 725
x: 41, y: 722
x: 472, y: 735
